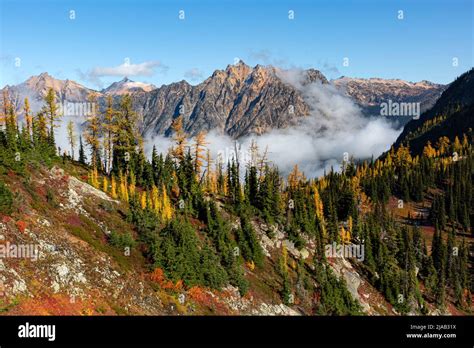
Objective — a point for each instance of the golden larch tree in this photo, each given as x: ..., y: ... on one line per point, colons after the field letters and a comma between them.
x: 28, y: 117
x: 113, y: 188
x: 199, y: 149
x: 179, y: 138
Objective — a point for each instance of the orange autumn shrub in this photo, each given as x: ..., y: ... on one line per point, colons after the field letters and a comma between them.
x: 179, y: 285
x: 168, y: 285
x: 158, y: 276
x: 199, y: 295
x: 21, y: 225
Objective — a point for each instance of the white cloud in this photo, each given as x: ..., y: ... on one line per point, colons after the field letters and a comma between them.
x: 124, y: 70
x: 129, y: 69
x: 266, y: 57
x: 194, y: 74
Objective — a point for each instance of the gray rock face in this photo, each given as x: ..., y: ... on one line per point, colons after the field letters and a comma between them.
x: 237, y: 101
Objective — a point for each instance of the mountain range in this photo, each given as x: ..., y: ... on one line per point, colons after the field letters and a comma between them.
x: 237, y: 101
x: 370, y: 93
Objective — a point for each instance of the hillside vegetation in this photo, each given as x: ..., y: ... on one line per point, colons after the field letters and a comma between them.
x: 186, y: 233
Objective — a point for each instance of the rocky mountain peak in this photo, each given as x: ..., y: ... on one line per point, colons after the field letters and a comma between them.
x: 126, y: 85
x: 44, y: 75
x: 238, y: 71
x: 313, y: 75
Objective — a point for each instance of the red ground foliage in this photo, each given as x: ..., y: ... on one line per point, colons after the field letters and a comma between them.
x: 158, y: 277
x: 204, y: 298
x: 74, y: 220
x: 55, y: 304
x: 41, y: 191
x: 21, y: 225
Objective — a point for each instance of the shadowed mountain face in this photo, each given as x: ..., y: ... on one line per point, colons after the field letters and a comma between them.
x: 237, y: 101
x: 451, y: 116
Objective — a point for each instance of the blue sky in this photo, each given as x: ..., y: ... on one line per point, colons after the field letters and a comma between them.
x: 92, y: 48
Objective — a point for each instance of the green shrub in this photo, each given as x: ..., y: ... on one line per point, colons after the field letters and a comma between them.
x: 122, y: 240
x: 6, y: 199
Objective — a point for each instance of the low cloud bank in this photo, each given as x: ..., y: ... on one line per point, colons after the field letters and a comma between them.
x: 335, y: 126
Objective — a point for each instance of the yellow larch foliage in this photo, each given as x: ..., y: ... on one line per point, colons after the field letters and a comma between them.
x: 175, y: 188
x: 28, y: 116
x: 6, y: 106
x: 428, y: 150
x: 465, y: 141
x: 457, y: 145
x: 161, y: 203
x: 167, y: 209
x: 319, y: 210
x: 212, y: 185
x: 179, y: 138
x: 155, y: 199
x: 149, y: 201
x: 211, y: 176
x: 143, y: 200
x: 295, y: 177
x: 113, y: 188
x: 123, y: 188
x: 322, y: 184
x: 132, y: 185
x: 105, y: 184
x: 442, y: 145
x: 226, y: 188
x: 199, y: 146
x: 402, y: 156
x: 388, y: 160
x: 345, y: 235
x: 355, y: 184
x: 94, y: 178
